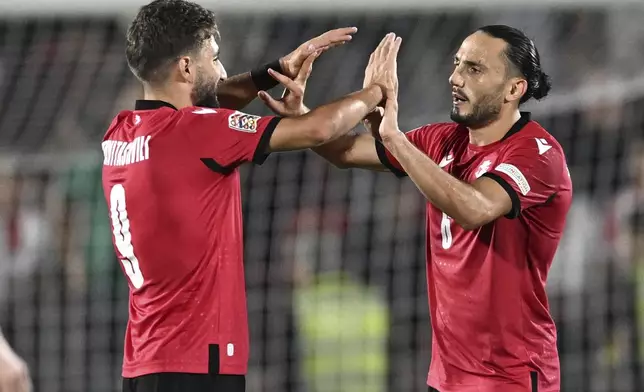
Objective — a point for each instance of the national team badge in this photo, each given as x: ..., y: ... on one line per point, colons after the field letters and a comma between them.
x: 485, y: 166
x: 243, y: 122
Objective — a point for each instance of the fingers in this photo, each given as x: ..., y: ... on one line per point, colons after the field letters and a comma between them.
x: 307, y: 68
x: 273, y: 104
x: 287, y: 82
x: 383, y: 48
x: 395, y: 48
x: 333, y: 37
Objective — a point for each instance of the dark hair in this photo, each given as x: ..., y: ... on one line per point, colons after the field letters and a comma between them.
x: 523, y: 56
x: 164, y: 30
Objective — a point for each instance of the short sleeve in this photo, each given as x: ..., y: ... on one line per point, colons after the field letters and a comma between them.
x: 225, y: 138
x: 532, y: 171
x: 420, y: 137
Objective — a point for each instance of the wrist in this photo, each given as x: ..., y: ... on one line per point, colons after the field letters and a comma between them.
x: 262, y: 79
x: 393, y: 139
x: 377, y: 95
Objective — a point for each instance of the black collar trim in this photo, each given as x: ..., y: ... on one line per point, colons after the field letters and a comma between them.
x: 519, y: 125
x: 143, y: 104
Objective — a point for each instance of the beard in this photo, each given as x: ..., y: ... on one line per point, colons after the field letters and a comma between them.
x: 481, y: 113
x: 204, y: 93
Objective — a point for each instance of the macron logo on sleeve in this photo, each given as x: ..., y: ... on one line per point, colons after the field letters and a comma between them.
x: 542, y: 145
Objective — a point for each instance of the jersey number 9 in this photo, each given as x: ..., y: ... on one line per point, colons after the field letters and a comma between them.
x: 123, y: 237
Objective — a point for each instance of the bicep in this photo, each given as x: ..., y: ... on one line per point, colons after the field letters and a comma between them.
x: 495, y: 197
x: 295, y: 133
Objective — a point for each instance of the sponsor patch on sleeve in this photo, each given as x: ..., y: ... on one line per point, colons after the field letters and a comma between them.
x: 515, y: 174
x: 243, y: 122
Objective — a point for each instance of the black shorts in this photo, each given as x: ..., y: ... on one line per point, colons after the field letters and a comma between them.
x: 533, y: 382
x: 182, y: 382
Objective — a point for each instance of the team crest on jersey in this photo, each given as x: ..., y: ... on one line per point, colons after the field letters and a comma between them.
x: 484, y: 168
x: 243, y: 122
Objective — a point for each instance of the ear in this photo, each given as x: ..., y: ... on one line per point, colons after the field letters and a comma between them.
x: 517, y: 88
x: 186, y: 69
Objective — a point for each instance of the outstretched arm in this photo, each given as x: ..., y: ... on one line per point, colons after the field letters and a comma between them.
x: 236, y: 92
x: 470, y: 205
x: 330, y: 122
x: 353, y: 150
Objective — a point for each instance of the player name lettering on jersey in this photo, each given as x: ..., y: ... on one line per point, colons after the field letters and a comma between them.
x: 118, y: 153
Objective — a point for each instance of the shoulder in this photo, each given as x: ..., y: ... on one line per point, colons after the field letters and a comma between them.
x: 233, y: 119
x: 537, y: 138
x: 201, y: 112
x: 118, y: 120
x: 534, y: 130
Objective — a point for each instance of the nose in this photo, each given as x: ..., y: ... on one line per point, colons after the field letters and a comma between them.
x: 222, y: 72
x: 455, y: 79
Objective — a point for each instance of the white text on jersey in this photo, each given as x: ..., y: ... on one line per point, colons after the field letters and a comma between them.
x: 117, y: 153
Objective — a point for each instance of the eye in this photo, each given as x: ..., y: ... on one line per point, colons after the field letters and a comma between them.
x: 475, y: 70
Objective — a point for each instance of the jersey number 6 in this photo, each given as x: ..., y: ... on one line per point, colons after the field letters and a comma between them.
x: 446, y: 231
x: 123, y: 237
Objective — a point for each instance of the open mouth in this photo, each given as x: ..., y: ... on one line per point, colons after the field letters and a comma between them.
x: 458, y: 98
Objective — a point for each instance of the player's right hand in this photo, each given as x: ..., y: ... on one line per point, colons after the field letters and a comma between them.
x: 14, y: 374
x: 292, y: 102
x: 381, y: 69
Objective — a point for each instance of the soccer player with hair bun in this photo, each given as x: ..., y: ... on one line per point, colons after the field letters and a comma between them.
x: 498, y: 191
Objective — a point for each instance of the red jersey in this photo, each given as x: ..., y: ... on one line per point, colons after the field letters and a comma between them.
x: 171, y: 182
x: 492, y: 329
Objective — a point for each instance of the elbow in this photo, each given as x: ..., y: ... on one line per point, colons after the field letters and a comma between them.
x: 340, y: 164
x: 473, y: 222
x: 319, y: 136
x: 469, y: 225
x: 324, y: 131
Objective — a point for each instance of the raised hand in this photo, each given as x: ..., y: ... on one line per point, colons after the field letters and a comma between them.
x: 292, y: 101
x: 381, y: 69
x: 389, y: 123
x: 294, y: 61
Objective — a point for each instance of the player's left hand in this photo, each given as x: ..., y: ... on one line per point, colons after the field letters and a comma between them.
x: 292, y: 102
x: 293, y: 62
x: 389, y: 123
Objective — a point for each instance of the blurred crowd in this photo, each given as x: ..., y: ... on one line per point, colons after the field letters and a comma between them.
x: 334, y: 259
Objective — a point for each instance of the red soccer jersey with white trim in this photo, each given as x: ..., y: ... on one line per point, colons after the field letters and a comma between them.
x: 171, y: 182
x: 492, y: 329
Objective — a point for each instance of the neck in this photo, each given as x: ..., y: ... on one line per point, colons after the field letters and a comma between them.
x: 171, y: 96
x: 494, y: 131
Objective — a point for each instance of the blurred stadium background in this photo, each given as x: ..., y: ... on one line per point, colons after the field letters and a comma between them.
x: 335, y: 259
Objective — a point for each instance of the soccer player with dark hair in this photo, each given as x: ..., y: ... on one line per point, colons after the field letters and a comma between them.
x: 498, y: 192
x: 171, y: 180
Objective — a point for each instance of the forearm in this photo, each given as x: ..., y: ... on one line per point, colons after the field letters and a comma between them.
x: 340, y: 117
x: 459, y: 200
x: 236, y: 92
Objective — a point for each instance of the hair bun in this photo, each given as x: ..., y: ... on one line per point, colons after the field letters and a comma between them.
x: 542, y: 87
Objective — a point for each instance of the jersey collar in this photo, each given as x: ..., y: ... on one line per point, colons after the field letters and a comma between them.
x: 144, y: 104
x: 522, y: 122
